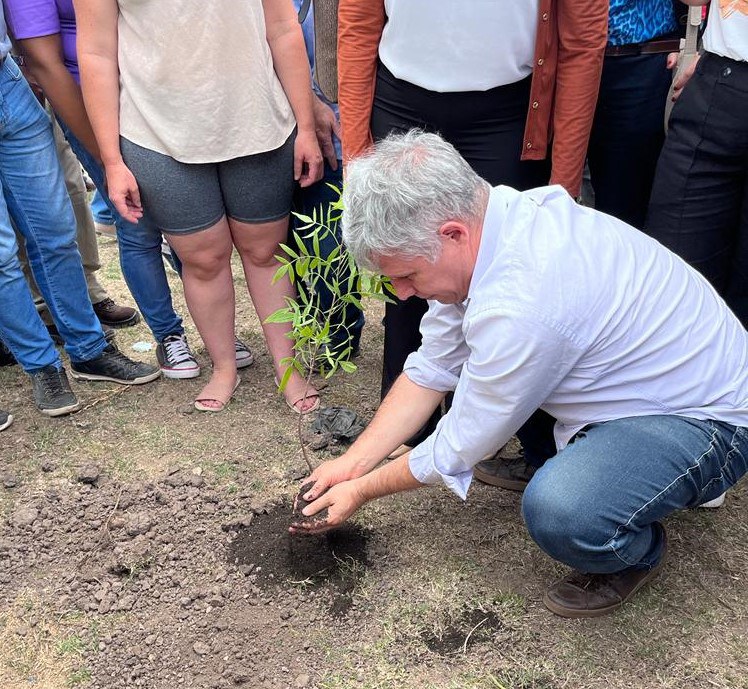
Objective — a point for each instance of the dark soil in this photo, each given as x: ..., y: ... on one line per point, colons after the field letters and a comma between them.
x: 330, y: 564
x: 472, y: 627
x: 299, y: 504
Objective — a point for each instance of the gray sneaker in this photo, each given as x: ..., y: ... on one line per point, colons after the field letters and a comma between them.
x: 244, y: 356
x: 5, y: 419
x: 113, y: 366
x: 52, y: 392
x: 176, y: 359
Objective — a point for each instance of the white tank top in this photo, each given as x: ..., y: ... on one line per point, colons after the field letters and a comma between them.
x: 197, y: 81
x: 727, y: 29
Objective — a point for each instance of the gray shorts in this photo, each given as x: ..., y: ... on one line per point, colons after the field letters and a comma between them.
x: 188, y: 197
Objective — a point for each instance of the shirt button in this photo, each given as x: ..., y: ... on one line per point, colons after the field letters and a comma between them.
x: 541, y: 61
x: 529, y: 144
x: 726, y: 72
x: 535, y: 105
x: 545, y: 16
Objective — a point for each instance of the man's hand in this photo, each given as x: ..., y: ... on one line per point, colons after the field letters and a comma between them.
x: 341, y: 501
x: 326, y: 126
x: 680, y: 79
x: 328, y: 474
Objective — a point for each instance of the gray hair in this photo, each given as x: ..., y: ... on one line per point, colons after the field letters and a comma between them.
x: 398, y: 196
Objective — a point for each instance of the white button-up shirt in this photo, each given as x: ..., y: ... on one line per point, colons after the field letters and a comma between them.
x: 577, y: 313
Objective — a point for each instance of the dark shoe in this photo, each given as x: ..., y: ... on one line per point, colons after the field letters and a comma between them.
x: 244, y: 356
x: 175, y: 358
x: 54, y: 333
x: 112, y: 365
x: 52, y: 392
x: 6, y: 356
x: 595, y: 595
x: 114, y: 315
x: 512, y: 473
x: 5, y: 419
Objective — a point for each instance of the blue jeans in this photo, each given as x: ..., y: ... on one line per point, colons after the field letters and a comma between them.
x: 34, y: 195
x: 139, y: 255
x: 100, y: 210
x: 597, y: 504
x: 351, y: 321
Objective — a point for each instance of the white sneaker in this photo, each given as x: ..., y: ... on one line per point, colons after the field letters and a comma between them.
x: 175, y: 358
x: 713, y: 504
x: 244, y: 356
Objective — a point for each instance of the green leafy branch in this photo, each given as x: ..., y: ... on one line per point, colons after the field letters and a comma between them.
x: 322, y: 341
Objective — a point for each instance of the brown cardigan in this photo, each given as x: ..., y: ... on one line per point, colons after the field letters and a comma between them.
x: 569, y: 51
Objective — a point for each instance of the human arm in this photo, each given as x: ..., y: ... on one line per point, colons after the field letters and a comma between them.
x: 286, y: 43
x: 360, y: 26
x: 404, y: 410
x: 43, y: 55
x: 682, y: 78
x: 582, y: 36
x: 343, y: 499
x: 97, y: 58
x: 327, y: 127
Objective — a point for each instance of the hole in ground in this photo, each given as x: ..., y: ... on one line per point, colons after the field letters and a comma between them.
x: 332, y: 563
x: 471, y: 627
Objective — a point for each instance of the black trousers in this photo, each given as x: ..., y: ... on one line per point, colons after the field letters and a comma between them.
x: 486, y: 127
x: 699, y: 206
x: 627, y: 134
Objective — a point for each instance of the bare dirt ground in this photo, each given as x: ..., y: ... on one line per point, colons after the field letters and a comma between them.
x: 143, y: 545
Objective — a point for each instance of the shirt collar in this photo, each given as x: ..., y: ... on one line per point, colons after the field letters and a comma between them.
x: 493, y: 219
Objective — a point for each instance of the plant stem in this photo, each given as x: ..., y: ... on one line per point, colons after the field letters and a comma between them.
x: 308, y: 383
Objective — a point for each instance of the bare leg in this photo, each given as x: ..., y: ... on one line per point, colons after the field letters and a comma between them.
x: 209, y: 293
x: 258, y: 244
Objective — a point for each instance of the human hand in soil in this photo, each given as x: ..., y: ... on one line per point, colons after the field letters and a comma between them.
x: 328, y: 474
x: 339, y: 503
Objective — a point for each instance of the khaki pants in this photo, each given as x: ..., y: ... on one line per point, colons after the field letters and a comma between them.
x: 85, y: 235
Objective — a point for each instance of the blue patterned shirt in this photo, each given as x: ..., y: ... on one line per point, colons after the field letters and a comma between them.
x: 636, y: 21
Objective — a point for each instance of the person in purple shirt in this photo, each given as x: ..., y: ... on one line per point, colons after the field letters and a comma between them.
x: 34, y: 199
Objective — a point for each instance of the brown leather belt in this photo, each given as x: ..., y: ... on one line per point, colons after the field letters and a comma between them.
x: 670, y: 45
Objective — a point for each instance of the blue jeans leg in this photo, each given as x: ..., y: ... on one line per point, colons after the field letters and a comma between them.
x: 100, y: 210
x: 596, y: 505
x: 37, y: 200
x: 139, y: 255
x: 350, y: 321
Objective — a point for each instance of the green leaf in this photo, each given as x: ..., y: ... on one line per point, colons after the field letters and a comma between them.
x: 284, y: 315
x: 348, y: 366
x: 286, y: 375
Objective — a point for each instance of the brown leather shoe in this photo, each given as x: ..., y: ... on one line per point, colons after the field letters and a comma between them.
x: 595, y: 595
x: 511, y: 473
x: 114, y: 315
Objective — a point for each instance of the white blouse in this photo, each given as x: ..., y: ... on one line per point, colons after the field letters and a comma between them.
x: 459, y: 45
x: 197, y: 81
x: 727, y: 29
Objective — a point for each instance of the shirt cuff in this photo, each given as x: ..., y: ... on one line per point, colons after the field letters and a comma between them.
x: 421, y: 465
x: 425, y: 373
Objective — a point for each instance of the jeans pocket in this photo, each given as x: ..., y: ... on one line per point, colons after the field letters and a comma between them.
x: 12, y: 69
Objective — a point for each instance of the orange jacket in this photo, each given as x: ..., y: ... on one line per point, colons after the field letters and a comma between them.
x: 569, y: 51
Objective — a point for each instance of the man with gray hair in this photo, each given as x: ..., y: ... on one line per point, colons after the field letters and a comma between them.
x: 537, y: 302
